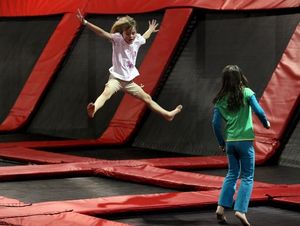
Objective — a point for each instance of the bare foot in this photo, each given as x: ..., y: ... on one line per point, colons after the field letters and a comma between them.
x: 242, y: 217
x: 172, y: 114
x: 220, y: 215
x: 91, y: 110
x: 221, y: 218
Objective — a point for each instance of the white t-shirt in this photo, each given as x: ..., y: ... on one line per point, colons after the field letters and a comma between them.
x: 124, y: 57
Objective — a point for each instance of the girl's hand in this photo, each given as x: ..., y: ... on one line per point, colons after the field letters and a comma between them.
x: 152, y: 28
x: 222, y: 148
x: 153, y: 25
x: 80, y: 17
x: 268, y: 125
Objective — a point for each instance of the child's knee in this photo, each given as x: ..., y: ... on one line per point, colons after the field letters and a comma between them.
x: 107, y: 93
x: 147, y: 98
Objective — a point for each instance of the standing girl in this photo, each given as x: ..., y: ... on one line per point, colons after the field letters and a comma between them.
x: 125, y: 44
x: 233, y: 104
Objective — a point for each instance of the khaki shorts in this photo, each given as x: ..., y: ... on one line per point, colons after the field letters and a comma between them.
x: 127, y: 86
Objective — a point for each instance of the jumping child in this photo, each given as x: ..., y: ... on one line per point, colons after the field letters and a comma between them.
x: 125, y: 44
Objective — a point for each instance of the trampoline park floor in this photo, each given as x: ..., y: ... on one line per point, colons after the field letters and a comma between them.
x: 81, y: 187
x: 257, y: 215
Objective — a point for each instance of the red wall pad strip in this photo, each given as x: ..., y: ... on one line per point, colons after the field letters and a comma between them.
x: 122, y: 204
x: 42, y: 73
x: 166, y: 178
x: 283, y: 194
x: 60, y: 219
x: 39, y: 7
x: 48, y: 7
x: 201, y: 162
x: 117, y: 204
x: 130, y: 110
x: 280, y: 99
x: 284, y: 191
x: 37, y: 171
x: 65, y: 169
x: 138, y: 6
x: 295, y: 201
x: 34, y: 156
x: 8, y: 202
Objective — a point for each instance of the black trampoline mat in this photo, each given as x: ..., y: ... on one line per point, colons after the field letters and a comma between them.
x: 15, y: 137
x: 5, y: 162
x: 258, y: 216
x: 118, y: 153
x: 268, y: 174
x: 33, y: 191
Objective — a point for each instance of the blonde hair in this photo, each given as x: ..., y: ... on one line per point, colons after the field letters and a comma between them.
x: 123, y: 24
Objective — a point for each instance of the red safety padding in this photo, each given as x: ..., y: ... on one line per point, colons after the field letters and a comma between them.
x: 134, y: 6
x: 8, y: 202
x: 263, y: 193
x: 199, y: 162
x: 62, y: 169
x: 288, y: 200
x: 166, y: 178
x: 284, y: 191
x: 117, y: 204
x: 264, y: 148
x: 42, y: 73
x: 152, y: 202
x: 163, y: 177
x: 122, y: 204
x: 280, y: 194
x: 24, y: 153
x: 14, y: 8
x: 49, y: 7
x: 280, y: 99
x: 38, y: 171
x: 59, y: 219
x: 41, y: 157
x: 130, y: 170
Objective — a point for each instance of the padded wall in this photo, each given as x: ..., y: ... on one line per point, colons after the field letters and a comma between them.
x: 21, y: 43
x: 253, y: 40
x: 291, y: 151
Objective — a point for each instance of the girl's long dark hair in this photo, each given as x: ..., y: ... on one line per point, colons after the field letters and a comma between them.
x: 233, y: 80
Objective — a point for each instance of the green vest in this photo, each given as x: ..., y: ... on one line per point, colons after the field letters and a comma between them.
x: 239, y: 124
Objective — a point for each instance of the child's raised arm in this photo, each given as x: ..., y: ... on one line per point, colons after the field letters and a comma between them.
x: 99, y: 31
x: 152, y: 28
x: 259, y: 112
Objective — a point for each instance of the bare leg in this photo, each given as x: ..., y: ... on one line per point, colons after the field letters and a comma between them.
x: 167, y: 115
x: 92, y: 108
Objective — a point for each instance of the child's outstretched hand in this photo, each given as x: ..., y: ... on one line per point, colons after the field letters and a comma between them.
x: 152, y: 28
x: 80, y: 17
x: 153, y: 25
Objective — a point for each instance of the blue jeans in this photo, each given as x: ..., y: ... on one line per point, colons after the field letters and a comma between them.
x: 241, y: 162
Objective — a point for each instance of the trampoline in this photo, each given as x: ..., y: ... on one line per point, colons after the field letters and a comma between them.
x: 128, y: 166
